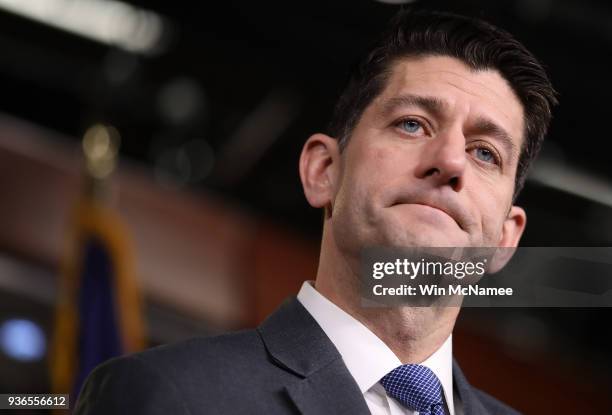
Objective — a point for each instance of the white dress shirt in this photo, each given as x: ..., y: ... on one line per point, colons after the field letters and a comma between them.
x: 367, y: 358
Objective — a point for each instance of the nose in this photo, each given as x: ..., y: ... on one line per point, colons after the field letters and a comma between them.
x: 443, y: 160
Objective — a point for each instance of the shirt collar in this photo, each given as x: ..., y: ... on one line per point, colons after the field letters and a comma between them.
x: 366, y: 356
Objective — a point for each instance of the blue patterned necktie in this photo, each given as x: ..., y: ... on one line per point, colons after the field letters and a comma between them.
x: 416, y: 387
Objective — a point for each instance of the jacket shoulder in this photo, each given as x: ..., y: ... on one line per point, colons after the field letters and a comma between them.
x: 127, y: 385
x: 228, y: 349
x: 173, y: 378
x: 476, y: 401
x: 493, y: 405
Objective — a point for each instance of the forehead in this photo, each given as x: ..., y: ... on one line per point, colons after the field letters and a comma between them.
x: 462, y: 90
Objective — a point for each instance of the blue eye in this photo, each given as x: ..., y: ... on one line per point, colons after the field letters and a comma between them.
x: 411, y: 126
x: 485, y: 155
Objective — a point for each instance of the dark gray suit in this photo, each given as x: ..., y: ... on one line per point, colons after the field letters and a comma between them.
x: 286, y: 366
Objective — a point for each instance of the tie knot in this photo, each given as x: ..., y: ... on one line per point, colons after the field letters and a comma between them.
x: 416, y: 387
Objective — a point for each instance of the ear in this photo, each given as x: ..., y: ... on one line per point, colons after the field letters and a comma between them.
x: 319, y: 169
x: 512, y: 230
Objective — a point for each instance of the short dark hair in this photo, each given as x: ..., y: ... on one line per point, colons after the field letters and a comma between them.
x: 476, y: 43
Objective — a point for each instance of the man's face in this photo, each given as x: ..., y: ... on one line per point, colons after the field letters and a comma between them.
x: 432, y: 161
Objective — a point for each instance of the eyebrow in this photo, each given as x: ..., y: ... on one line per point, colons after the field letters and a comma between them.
x: 430, y: 104
x: 437, y: 107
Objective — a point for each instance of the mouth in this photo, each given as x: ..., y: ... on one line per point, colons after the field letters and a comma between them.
x: 438, y: 208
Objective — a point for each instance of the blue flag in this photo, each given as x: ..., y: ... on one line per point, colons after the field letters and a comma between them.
x: 99, y: 308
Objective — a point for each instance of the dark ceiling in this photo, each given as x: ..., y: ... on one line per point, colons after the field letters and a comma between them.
x: 257, y: 78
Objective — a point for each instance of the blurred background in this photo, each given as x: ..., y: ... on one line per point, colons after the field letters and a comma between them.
x: 202, y: 224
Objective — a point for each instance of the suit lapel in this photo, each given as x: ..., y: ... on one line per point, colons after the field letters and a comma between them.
x: 322, y: 383
x: 331, y: 390
x: 470, y: 402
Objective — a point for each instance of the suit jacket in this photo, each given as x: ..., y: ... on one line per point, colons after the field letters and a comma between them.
x: 285, y: 366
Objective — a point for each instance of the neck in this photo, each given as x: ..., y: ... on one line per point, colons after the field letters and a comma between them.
x: 412, y: 333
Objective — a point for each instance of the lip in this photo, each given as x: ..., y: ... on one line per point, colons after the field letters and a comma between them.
x: 442, y: 209
x: 437, y: 208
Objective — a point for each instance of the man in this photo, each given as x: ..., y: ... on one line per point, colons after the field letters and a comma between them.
x: 429, y: 146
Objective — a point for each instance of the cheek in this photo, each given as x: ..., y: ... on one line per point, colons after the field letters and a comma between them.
x: 364, y: 180
x: 386, y: 163
x: 370, y: 167
x: 494, y: 210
